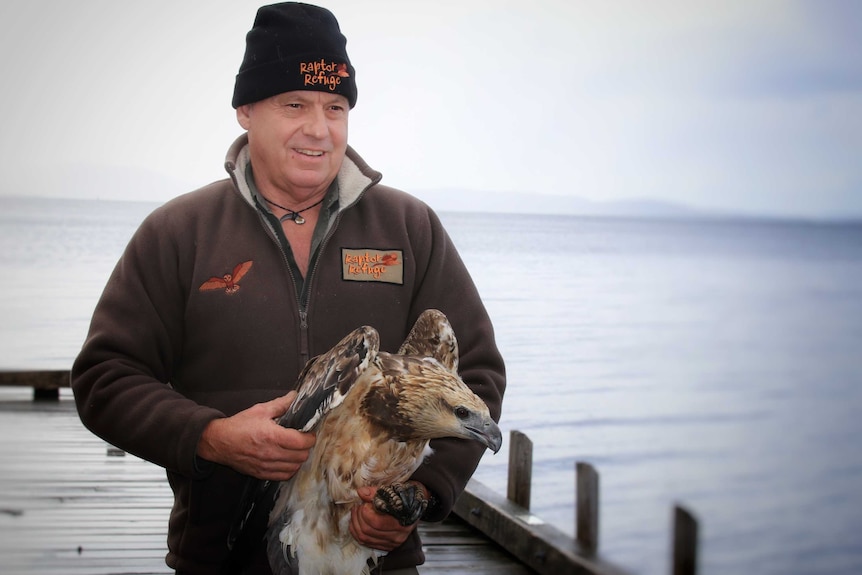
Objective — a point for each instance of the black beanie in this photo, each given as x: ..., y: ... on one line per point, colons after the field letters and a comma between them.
x: 294, y: 46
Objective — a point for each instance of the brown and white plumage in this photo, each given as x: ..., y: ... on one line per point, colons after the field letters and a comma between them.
x: 374, y: 414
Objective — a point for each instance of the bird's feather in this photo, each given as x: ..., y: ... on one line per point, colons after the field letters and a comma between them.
x: 433, y: 337
x: 327, y: 378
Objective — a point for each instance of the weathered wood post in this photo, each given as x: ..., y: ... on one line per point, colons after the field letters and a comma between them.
x: 684, y: 542
x: 587, y: 506
x: 520, y: 469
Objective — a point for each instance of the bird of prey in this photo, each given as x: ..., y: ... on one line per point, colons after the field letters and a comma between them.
x: 374, y: 414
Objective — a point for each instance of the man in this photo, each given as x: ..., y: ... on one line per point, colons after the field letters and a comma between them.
x: 223, y: 294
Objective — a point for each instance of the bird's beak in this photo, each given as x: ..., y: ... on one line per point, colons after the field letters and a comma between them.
x: 487, y: 433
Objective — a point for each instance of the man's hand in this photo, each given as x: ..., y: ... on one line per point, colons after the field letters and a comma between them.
x: 251, y: 442
x: 377, y: 530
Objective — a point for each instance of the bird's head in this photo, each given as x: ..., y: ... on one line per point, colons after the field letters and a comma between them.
x: 474, y: 422
x: 419, y: 398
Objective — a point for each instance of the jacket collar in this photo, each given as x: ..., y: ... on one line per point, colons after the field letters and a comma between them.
x: 354, y: 177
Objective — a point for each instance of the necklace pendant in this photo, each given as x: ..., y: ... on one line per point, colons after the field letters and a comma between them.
x: 298, y: 219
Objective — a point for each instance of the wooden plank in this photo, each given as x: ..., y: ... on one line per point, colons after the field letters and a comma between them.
x: 537, y: 544
x: 455, y: 559
x: 453, y: 547
x: 67, y: 507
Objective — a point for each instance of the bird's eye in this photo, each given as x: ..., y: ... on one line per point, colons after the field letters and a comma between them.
x: 462, y: 412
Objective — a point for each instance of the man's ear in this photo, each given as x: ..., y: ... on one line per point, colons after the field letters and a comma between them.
x: 243, y: 115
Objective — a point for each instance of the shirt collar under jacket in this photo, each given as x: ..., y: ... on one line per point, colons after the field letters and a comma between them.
x: 324, y: 219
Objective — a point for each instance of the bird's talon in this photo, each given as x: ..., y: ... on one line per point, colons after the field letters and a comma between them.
x: 403, y: 501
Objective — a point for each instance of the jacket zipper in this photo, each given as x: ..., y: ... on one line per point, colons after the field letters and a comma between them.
x: 303, y: 315
x: 303, y: 309
x: 304, y: 352
x: 304, y: 345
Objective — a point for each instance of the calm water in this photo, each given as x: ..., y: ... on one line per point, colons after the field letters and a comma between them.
x: 713, y: 364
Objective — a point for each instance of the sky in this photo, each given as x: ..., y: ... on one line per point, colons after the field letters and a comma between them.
x: 750, y: 106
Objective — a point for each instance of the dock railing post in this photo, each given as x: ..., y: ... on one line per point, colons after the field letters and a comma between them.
x: 520, y: 469
x: 587, y: 506
x: 684, y: 542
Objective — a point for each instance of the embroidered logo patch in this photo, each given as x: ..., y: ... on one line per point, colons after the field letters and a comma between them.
x: 321, y: 72
x: 228, y: 282
x: 367, y: 265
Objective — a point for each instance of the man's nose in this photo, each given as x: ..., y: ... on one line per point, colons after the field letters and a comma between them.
x: 315, y: 123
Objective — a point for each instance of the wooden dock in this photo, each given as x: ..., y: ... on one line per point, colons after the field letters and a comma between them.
x: 71, y: 504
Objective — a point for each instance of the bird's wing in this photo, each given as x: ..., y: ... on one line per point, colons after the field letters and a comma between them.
x: 213, y: 283
x: 432, y: 336
x: 240, y: 270
x: 323, y: 384
x: 327, y: 378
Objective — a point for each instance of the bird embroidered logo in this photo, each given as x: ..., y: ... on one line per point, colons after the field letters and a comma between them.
x: 228, y: 282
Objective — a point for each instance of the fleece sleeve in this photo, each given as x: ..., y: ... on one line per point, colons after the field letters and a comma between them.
x: 121, y: 378
x: 447, y: 286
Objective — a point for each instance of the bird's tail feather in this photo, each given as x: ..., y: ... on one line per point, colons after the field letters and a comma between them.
x: 248, y: 528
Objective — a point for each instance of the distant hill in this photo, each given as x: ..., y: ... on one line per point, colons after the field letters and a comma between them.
x: 140, y: 185
x: 526, y: 203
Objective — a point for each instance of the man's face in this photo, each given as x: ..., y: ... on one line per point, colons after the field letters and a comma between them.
x: 297, y: 141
